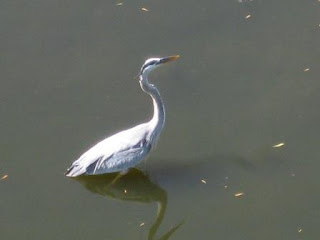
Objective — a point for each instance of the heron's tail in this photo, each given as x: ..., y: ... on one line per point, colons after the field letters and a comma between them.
x: 68, y: 171
x: 74, y: 171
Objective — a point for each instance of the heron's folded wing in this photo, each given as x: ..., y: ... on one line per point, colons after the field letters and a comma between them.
x: 122, y: 160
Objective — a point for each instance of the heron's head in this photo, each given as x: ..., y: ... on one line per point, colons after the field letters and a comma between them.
x: 153, y: 63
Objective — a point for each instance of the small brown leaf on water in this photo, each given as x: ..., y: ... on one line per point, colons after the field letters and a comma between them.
x: 4, y: 177
x: 239, y: 194
x: 278, y: 145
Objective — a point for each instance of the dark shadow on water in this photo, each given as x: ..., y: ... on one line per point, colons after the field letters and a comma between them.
x: 181, y: 170
x: 187, y: 173
x: 216, y: 162
x: 144, y: 186
x: 134, y: 186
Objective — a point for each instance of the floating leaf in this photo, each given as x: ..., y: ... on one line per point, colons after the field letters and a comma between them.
x: 239, y: 194
x: 278, y: 145
x: 4, y: 177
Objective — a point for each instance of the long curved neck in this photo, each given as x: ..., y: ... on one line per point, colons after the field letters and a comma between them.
x: 158, y: 119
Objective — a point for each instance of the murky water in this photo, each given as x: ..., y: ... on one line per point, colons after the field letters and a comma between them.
x: 247, y: 79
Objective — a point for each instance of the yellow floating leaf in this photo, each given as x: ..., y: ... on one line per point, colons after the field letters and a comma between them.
x: 278, y: 145
x: 239, y: 194
x: 4, y: 177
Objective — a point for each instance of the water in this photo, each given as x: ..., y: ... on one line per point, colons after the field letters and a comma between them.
x: 242, y: 85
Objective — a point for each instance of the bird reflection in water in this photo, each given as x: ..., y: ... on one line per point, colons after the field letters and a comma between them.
x: 134, y: 186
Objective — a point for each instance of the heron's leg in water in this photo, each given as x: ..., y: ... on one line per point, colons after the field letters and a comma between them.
x: 124, y: 172
x: 118, y: 176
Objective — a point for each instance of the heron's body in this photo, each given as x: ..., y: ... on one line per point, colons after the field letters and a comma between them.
x: 127, y: 148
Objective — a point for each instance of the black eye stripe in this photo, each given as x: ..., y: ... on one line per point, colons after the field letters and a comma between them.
x: 143, y: 67
x: 148, y: 64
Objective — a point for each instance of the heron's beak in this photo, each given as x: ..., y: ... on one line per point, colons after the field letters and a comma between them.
x: 169, y: 59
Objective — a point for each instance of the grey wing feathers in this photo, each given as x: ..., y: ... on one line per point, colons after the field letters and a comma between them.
x: 116, y: 153
x: 103, y: 158
x: 120, y: 161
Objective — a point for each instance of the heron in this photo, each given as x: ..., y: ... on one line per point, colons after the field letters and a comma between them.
x: 127, y: 148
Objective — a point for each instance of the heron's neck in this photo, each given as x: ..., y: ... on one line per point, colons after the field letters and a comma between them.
x: 158, y: 119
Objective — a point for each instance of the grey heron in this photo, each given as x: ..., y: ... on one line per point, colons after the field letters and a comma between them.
x: 127, y: 148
